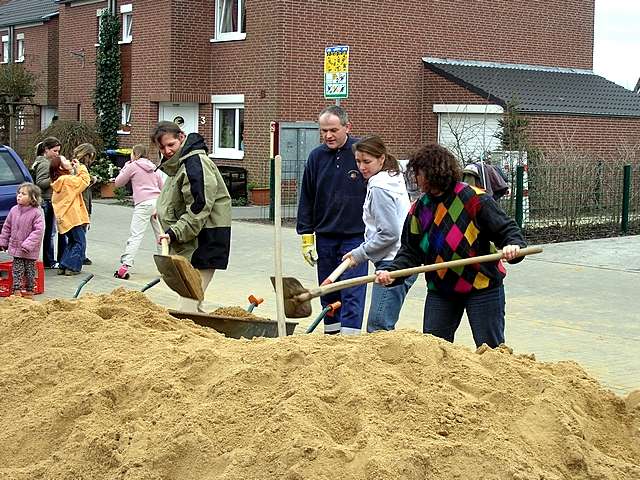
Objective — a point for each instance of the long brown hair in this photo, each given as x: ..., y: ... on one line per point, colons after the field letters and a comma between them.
x: 374, y: 146
x: 56, y: 169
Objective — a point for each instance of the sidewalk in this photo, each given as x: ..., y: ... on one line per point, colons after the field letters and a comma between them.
x: 576, y: 301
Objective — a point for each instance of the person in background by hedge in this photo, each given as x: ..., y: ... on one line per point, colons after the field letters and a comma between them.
x: 453, y: 220
x: 46, y: 151
x: 68, y: 181
x: 85, y: 153
x: 194, y: 206
x: 146, y: 184
x: 22, y: 234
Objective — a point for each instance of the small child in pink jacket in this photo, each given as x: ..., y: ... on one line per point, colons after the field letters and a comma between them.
x: 146, y: 183
x: 22, y: 235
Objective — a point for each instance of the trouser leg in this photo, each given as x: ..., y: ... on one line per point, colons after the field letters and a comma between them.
x: 442, y: 316
x: 139, y: 221
x: 18, y: 272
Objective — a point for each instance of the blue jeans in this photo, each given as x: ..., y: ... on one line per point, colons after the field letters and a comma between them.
x: 386, y: 302
x: 485, y: 310
x: 48, y: 257
x: 74, y: 254
x: 348, y: 318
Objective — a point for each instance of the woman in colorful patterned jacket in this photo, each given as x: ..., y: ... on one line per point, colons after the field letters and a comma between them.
x: 453, y: 220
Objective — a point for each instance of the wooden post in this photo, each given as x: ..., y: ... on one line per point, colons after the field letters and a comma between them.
x: 277, y: 226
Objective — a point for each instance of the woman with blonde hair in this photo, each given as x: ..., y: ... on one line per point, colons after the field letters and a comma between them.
x: 85, y: 153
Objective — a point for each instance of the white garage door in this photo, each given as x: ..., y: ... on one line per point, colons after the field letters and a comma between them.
x: 468, y: 135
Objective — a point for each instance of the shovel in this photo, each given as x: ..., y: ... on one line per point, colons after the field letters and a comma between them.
x: 333, y: 276
x: 178, y: 273
x: 297, y: 298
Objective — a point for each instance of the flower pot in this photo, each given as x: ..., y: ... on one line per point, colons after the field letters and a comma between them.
x: 259, y: 196
x: 107, y: 190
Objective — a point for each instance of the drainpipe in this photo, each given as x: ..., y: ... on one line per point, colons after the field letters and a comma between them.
x: 12, y: 34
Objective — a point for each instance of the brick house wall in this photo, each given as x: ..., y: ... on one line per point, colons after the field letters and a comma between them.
x: 278, y: 67
x: 386, y: 46
x: 78, y: 34
x: 607, y: 137
x: 41, y: 45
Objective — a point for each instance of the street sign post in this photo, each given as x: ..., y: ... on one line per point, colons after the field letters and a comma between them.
x: 336, y: 72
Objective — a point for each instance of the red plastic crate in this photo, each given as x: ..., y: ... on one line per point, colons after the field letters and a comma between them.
x: 6, y: 278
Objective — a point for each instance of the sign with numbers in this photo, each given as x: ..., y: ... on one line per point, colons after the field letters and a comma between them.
x: 336, y: 72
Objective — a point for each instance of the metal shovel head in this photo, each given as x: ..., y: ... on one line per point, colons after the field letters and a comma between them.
x: 293, y: 308
x: 171, y: 275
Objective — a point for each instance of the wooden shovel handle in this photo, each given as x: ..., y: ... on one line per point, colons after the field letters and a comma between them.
x: 164, y: 243
x: 333, y: 276
x: 352, y: 282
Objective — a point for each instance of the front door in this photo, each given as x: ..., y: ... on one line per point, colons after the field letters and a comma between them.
x: 183, y: 114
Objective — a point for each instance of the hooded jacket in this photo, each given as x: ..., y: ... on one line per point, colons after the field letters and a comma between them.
x: 67, y: 201
x: 41, y: 177
x: 22, y: 232
x: 384, y: 211
x: 145, y: 181
x: 194, y: 206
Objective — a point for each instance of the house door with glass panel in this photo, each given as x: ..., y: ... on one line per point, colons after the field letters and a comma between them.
x: 183, y: 114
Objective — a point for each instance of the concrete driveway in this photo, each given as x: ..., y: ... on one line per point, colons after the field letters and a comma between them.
x: 576, y: 301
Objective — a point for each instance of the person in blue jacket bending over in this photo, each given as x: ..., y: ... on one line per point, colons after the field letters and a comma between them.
x: 331, y: 198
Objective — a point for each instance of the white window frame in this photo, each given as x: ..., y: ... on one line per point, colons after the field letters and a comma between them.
x: 20, y: 47
x: 99, y: 13
x: 125, y: 118
x: 227, y: 102
x: 5, y: 49
x: 127, y: 23
x: 228, y: 36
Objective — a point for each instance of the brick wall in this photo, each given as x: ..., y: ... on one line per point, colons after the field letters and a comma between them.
x: 606, y: 137
x: 278, y: 67
x: 36, y: 59
x: 151, y: 56
x: 53, y: 55
x: 283, y: 55
x: 78, y: 34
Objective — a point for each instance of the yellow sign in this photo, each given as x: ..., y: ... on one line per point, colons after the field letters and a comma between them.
x: 336, y: 72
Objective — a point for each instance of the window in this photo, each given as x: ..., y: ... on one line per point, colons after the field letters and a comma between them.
x: 99, y: 13
x: 20, y: 42
x: 127, y: 22
x: 125, y: 121
x: 10, y: 173
x: 230, y: 20
x: 5, y: 49
x: 228, y: 126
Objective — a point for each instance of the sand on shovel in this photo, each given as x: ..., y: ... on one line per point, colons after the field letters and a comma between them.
x: 112, y: 387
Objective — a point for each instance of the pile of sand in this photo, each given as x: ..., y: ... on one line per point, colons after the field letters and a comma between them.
x: 111, y: 387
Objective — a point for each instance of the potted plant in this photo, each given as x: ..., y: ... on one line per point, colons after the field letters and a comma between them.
x: 258, y: 194
x: 104, y: 172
